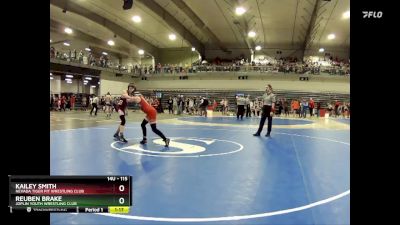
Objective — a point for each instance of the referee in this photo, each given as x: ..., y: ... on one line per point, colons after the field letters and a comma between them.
x: 268, y: 109
x: 241, y: 101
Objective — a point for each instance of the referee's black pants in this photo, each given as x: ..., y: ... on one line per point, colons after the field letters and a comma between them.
x: 248, y: 111
x: 266, y: 110
x: 94, y: 105
x: 240, y: 112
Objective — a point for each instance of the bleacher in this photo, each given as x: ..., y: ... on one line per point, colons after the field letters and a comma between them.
x: 323, y: 97
x: 218, y: 95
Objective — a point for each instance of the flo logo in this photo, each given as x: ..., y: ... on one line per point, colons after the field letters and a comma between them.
x: 181, y: 147
x: 372, y: 14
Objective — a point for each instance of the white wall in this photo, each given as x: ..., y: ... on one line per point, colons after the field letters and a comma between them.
x: 73, y: 87
x: 94, y: 90
x: 257, y: 82
x: 110, y: 83
x: 58, y: 86
x: 177, y: 56
x: 308, y: 86
x: 223, y: 81
x: 55, y: 85
x: 114, y: 87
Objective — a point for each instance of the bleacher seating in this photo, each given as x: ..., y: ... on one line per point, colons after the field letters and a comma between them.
x: 324, y: 98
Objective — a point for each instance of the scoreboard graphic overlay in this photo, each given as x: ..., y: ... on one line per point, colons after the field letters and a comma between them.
x: 76, y: 194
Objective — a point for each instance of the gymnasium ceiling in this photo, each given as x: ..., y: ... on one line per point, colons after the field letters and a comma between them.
x: 204, y: 24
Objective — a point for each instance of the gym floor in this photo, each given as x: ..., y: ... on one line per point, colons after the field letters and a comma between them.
x: 215, y: 171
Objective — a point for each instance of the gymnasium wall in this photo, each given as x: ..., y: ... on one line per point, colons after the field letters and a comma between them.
x: 109, y: 82
x: 58, y: 86
x: 244, y: 85
x: 217, y: 81
x: 177, y: 56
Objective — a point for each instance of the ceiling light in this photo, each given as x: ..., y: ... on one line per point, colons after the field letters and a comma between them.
x: 258, y: 48
x: 331, y: 36
x: 104, y: 53
x: 141, y: 52
x: 111, y: 42
x: 68, y: 30
x: 172, y: 37
x: 252, y: 34
x: 240, y: 11
x: 346, y: 15
x: 70, y: 76
x: 88, y: 78
x: 67, y: 44
x: 51, y: 78
x: 321, y: 50
x: 136, y: 19
x: 88, y: 49
x: 193, y: 49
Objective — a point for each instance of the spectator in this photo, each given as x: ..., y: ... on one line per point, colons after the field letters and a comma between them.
x: 318, y: 108
x: 52, y: 52
x: 311, y: 106
x: 170, y: 104
x: 72, y: 102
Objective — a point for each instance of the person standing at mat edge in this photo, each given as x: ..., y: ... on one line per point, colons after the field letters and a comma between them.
x: 240, y: 101
x: 108, y: 105
x: 268, y: 109
x: 94, y: 105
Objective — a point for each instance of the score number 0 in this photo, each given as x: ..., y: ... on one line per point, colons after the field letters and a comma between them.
x: 121, y: 200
